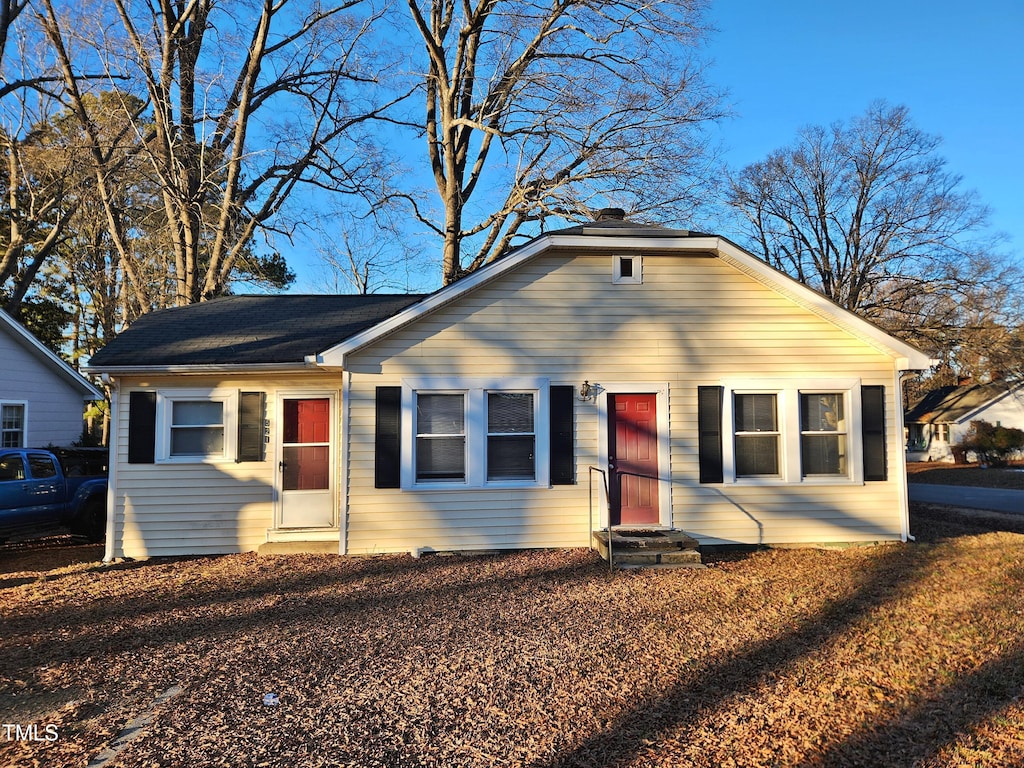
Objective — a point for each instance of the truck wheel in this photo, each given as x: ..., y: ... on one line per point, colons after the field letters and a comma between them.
x: 92, y: 521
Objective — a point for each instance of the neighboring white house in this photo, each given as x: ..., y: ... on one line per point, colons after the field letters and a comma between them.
x: 939, y: 420
x: 42, y: 398
x: 606, y: 374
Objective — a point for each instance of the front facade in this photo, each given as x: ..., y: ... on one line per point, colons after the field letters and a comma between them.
x: 609, y: 374
x: 42, y: 399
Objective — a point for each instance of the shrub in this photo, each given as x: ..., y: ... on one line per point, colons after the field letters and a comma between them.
x: 993, y: 445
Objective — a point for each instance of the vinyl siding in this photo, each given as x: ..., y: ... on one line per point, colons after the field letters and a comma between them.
x: 202, y: 508
x: 694, y: 321
x: 55, y: 408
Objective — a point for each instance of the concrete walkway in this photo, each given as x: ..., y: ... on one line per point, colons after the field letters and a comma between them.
x: 993, y: 499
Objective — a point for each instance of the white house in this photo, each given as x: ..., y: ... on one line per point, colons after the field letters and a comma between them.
x: 42, y: 398
x: 940, y: 419
x: 606, y: 374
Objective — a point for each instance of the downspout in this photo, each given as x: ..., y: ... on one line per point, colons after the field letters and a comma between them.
x: 346, y: 388
x: 901, y: 377
x: 108, y: 549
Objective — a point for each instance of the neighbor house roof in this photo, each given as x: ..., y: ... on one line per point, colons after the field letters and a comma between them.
x: 245, y: 330
x: 35, y: 347
x: 955, y: 403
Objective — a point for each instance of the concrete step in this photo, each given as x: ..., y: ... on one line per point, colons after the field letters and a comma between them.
x: 643, y: 559
x: 649, y: 548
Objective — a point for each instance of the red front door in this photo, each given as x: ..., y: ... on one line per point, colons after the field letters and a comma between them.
x: 633, y: 459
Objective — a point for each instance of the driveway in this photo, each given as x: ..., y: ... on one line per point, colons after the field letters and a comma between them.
x: 994, y: 499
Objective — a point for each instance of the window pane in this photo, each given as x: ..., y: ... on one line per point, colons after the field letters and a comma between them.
x: 509, y: 412
x: 197, y: 441
x: 12, y: 468
x: 306, y: 468
x: 440, y: 414
x: 822, y: 413
x: 197, y: 412
x: 757, y: 455
x: 510, y: 457
x: 13, y: 416
x: 755, y: 413
x: 823, y: 454
x: 441, y: 458
x: 41, y: 466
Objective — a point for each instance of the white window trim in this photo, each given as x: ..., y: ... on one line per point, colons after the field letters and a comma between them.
x: 636, y: 259
x: 165, y: 400
x: 24, y: 420
x: 787, y: 392
x: 475, y: 390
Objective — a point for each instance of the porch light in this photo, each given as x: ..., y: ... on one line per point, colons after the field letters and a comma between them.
x: 587, y: 392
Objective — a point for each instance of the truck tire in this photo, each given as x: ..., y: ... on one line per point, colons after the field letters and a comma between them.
x: 92, y: 521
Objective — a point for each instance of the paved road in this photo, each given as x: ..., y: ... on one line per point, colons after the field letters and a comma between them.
x: 993, y: 499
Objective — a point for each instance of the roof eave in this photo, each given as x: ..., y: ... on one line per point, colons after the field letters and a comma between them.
x: 198, y: 370
x: 52, y: 361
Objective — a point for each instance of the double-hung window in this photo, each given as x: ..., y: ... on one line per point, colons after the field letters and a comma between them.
x: 12, y: 421
x: 197, y: 426
x: 823, y: 434
x: 441, y: 437
x: 793, y: 431
x: 757, y: 434
x: 479, y: 435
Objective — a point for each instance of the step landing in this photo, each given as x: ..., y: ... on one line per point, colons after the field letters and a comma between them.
x: 653, y: 548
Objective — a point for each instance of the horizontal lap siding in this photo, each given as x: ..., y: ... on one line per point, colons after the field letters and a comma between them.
x: 215, y: 508
x: 694, y: 321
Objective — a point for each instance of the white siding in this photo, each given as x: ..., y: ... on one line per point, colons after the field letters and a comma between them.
x: 55, y: 408
x: 694, y: 321
x: 201, y: 508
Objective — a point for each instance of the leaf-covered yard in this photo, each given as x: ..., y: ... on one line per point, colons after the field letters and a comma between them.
x: 894, y: 655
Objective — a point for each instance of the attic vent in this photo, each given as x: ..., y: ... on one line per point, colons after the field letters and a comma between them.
x: 627, y: 270
x: 610, y: 214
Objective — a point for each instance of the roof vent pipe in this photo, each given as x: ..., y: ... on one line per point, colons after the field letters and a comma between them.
x: 610, y: 214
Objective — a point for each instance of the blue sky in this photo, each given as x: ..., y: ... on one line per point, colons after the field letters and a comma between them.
x: 958, y: 67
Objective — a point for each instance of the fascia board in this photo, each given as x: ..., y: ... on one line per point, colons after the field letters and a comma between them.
x: 51, y: 360
x: 198, y: 370
x: 906, y: 356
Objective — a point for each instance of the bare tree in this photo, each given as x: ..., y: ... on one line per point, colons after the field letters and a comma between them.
x: 535, y: 109
x: 244, y: 101
x: 867, y: 213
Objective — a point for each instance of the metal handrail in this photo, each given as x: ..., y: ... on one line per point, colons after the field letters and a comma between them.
x: 608, y: 507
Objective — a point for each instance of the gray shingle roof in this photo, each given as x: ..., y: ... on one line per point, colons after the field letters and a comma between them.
x: 246, y: 330
x: 951, y: 404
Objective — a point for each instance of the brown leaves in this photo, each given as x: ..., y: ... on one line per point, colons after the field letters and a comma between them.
x: 527, y: 659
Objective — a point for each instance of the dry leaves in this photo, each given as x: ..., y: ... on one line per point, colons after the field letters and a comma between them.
x: 896, y: 655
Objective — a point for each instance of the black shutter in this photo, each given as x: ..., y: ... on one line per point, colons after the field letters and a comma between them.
x: 872, y: 402
x: 387, y: 465
x: 141, y: 427
x: 251, y: 413
x: 563, y: 454
x: 709, y: 433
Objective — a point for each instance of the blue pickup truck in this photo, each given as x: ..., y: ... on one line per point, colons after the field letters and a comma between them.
x: 39, y: 494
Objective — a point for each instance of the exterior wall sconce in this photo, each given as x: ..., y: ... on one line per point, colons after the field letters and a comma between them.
x: 588, y: 391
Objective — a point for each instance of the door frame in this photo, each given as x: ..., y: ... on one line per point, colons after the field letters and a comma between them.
x: 661, y: 389
x: 304, y: 394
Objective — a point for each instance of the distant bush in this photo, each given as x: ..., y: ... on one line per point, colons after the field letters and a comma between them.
x: 991, y: 444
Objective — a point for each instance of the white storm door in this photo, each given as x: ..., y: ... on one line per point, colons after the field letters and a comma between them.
x: 306, y: 466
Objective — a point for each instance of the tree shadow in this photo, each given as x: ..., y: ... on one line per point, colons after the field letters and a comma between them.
x: 655, y: 718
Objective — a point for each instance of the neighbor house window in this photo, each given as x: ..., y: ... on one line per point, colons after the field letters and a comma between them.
x: 481, y: 434
x: 511, y: 442
x: 823, y: 433
x: 757, y: 434
x: 440, y: 437
x: 942, y: 433
x: 12, y: 419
